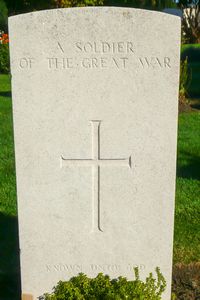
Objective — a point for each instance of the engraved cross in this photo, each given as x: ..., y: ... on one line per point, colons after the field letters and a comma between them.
x: 96, y: 162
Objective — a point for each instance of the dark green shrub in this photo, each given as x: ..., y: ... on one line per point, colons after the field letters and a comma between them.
x: 192, y: 53
x: 4, y: 59
x: 3, y: 15
x: 74, y: 3
x: 103, y: 288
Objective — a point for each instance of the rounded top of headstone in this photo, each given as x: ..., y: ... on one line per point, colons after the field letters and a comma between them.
x: 126, y: 12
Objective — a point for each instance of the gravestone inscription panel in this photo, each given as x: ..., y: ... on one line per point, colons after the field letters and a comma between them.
x: 95, y: 120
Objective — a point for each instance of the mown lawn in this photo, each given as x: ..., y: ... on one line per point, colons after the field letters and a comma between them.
x: 9, y: 257
x: 7, y: 173
x: 187, y: 215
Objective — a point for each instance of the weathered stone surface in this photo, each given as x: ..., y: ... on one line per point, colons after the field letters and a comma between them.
x: 95, y: 120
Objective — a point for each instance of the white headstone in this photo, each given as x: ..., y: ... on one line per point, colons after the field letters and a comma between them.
x: 95, y: 119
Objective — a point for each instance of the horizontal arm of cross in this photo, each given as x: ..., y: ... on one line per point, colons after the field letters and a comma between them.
x: 97, y: 162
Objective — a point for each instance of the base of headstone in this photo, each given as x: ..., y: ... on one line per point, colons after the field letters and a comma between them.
x: 27, y: 297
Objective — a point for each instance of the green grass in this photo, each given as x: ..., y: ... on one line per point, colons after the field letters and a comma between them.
x: 4, y: 84
x: 7, y: 167
x: 194, y: 86
x: 187, y: 215
x: 9, y: 257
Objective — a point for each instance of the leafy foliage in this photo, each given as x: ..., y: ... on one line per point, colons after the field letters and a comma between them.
x: 191, y: 52
x: 74, y: 3
x: 187, y: 3
x: 4, y: 59
x: 22, y: 6
x: 3, y: 15
x: 103, y: 288
x: 146, y: 4
x: 185, y: 78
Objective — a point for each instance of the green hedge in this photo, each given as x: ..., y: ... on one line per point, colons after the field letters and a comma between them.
x: 103, y: 288
x: 4, y: 59
x: 3, y: 16
x: 192, y: 52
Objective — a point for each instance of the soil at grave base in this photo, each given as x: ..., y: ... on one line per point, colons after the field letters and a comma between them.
x: 193, y: 105
x: 186, y: 281
x: 188, y: 107
x: 184, y: 107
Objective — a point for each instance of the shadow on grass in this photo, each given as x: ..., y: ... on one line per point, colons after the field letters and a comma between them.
x: 9, y: 258
x: 192, y: 169
x: 195, y: 103
x: 5, y: 94
x: 196, y: 106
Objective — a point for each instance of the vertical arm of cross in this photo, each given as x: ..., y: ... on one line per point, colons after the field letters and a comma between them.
x: 96, y: 176
x: 96, y: 162
x: 95, y: 140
